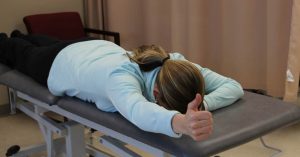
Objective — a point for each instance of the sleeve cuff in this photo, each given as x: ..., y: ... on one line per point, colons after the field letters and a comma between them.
x: 174, y: 134
x: 205, y: 105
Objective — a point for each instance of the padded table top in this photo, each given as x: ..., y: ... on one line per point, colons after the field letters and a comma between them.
x: 25, y: 84
x: 252, y: 116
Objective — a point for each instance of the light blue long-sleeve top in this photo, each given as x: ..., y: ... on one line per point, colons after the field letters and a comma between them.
x: 100, y: 72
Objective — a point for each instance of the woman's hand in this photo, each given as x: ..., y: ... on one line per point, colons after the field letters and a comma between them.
x: 197, y: 124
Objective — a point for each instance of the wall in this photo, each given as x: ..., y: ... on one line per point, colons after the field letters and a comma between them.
x: 13, y: 11
x: 247, y: 40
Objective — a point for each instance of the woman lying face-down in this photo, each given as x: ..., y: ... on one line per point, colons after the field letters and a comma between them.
x: 157, y: 91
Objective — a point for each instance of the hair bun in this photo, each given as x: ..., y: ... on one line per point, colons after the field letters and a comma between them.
x: 154, y: 64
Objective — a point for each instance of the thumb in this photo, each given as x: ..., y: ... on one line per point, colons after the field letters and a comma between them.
x: 194, y: 105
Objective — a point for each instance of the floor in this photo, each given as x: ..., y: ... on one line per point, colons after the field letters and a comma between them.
x: 22, y: 130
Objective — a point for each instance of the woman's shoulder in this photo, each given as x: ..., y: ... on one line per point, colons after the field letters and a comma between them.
x: 176, y: 56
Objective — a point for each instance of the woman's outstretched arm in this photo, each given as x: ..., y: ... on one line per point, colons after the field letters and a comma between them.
x: 220, y: 91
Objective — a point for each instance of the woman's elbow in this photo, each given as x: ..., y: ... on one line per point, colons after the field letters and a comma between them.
x: 239, y: 90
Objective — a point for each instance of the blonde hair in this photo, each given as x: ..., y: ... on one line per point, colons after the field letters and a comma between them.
x: 178, y: 81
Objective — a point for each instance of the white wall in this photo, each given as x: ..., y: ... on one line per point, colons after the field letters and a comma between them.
x: 13, y: 11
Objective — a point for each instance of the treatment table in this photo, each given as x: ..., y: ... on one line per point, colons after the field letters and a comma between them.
x: 251, y: 117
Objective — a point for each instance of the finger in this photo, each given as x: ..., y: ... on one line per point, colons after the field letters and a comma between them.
x: 200, y: 115
x: 199, y: 124
x: 201, y: 137
x: 194, y: 105
x: 202, y: 130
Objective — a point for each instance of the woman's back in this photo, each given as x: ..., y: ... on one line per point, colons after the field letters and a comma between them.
x: 82, y: 69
